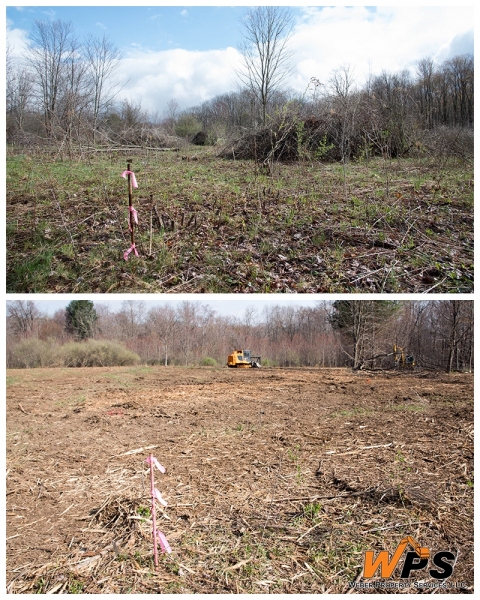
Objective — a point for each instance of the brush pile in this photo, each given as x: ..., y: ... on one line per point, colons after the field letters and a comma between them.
x: 287, y: 139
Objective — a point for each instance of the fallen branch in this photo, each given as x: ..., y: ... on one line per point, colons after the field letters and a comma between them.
x: 308, y: 531
x: 359, y: 449
x: 136, y: 451
x: 238, y: 565
x: 395, y: 526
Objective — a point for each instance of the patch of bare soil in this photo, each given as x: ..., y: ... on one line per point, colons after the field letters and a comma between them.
x: 278, y: 480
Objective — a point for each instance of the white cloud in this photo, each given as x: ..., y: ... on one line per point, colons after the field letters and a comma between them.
x: 17, y: 40
x: 50, y: 14
x: 388, y: 38
x: 189, y: 77
x: 184, y: 13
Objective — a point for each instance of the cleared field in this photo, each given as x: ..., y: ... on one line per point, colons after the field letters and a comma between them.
x: 212, y: 225
x: 278, y: 480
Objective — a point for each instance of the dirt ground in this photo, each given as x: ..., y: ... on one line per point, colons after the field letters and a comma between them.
x: 278, y: 480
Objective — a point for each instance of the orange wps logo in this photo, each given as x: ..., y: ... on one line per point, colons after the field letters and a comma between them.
x: 414, y: 561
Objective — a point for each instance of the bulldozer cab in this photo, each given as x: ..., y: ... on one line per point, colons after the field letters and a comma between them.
x: 246, y: 356
x: 243, y: 358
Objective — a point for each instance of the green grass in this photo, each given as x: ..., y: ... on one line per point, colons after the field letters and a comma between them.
x: 75, y: 586
x: 312, y: 511
x: 220, y: 226
x: 410, y: 408
x: 354, y: 412
x: 143, y: 511
x: 75, y: 401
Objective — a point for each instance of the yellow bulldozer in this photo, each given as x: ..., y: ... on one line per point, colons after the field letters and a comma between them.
x: 243, y: 359
x: 402, y: 360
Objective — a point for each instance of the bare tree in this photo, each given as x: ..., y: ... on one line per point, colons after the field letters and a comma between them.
x: 19, y: 87
x: 9, y: 68
x: 248, y: 325
x: 426, y: 77
x: 266, y: 56
x: 133, y: 119
x: 455, y: 321
x: 171, y: 112
x: 103, y: 59
x: 188, y: 314
x: 344, y: 106
x: 164, y: 322
x: 74, y: 93
x: 131, y: 318
x: 52, y: 44
x: 358, y: 321
x: 22, y: 315
x: 459, y: 97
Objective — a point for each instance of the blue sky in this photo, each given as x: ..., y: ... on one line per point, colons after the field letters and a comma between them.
x: 189, y: 53
x: 153, y: 28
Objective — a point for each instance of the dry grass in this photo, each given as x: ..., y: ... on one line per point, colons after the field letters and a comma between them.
x: 278, y: 480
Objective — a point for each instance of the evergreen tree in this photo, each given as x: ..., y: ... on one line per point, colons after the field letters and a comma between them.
x: 81, y: 318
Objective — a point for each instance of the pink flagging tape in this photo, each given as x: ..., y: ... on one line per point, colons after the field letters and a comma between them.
x: 134, y: 179
x: 157, y: 464
x: 135, y: 217
x: 164, y: 545
x: 158, y: 496
x: 157, y: 535
x: 131, y: 249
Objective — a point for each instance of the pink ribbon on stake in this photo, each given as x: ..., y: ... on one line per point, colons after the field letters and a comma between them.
x: 158, y: 536
x: 134, y: 180
x: 127, y: 252
x: 164, y: 545
x: 158, y: 496
x: 155, y: 462
x: 135, y: 217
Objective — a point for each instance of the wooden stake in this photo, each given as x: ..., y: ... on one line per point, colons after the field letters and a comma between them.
x: 151, y: 223
x: 130, y: 200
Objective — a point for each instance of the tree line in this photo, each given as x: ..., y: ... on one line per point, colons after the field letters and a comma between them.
x: 64, y: 89
x: 359, y: 334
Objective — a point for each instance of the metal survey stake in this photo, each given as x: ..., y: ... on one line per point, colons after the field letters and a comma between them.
x: 158, y: 536
x: 154, y: 515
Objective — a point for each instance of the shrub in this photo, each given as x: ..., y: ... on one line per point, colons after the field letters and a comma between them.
x: 267, y: 362
x: 207, y: 361
x: 33, y: 353
x: 187, y: 126
x: 95, y: 353
x: 448, y: 141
